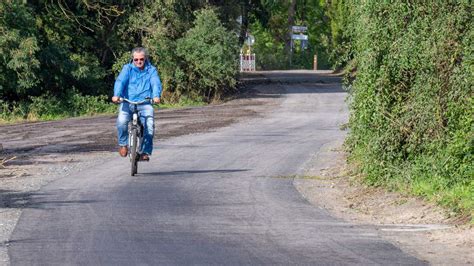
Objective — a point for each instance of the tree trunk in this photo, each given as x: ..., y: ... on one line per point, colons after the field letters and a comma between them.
x: 244, y: 5
x: 291, y: 22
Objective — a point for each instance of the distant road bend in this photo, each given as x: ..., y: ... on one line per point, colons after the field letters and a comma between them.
x: 221, y: 197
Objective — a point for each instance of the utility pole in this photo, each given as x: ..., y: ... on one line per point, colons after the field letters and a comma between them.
x: 244, y: 5
x: 291, y: 22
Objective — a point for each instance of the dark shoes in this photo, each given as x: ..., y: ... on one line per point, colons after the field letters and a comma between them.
x: 123, y: 151
x: 144, y: 157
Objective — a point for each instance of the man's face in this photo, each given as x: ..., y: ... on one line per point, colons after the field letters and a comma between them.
x: 139, y: 60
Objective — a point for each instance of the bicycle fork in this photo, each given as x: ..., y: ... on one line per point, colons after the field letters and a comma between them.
x: 135, y: 126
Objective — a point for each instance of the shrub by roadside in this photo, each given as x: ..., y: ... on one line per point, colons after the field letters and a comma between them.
x: 49, y: 107
x: 412, y: 106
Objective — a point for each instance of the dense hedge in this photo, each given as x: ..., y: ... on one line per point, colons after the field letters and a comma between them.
x: 412, y: 106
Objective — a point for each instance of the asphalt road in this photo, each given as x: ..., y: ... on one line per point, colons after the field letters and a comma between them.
x: 224, y: 197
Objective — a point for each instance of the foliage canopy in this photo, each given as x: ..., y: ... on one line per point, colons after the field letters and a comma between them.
x: 53, y: 48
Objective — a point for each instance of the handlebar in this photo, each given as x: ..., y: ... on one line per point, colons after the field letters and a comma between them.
x: 147, y: 100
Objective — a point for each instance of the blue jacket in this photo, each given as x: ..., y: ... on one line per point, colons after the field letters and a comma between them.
x: 136, y: 85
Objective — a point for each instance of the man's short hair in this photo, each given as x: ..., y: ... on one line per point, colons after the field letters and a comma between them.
x: 140, y: 50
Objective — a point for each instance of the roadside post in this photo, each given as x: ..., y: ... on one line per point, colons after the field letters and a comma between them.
x: 247, y: 59
x: 315, y: 62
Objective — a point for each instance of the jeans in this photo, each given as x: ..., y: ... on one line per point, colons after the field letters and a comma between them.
x: 146, y: 117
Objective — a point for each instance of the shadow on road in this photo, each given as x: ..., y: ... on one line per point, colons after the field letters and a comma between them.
x: 34, y: 200
x: 290, y: 82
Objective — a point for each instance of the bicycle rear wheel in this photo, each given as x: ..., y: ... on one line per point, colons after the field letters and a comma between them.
x: 134, y: 151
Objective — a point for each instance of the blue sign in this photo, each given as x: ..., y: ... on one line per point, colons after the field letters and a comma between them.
x: 299, y: 37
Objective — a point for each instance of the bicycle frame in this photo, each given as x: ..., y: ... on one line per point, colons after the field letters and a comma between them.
x: 135, y: 124
x: 135, y: 137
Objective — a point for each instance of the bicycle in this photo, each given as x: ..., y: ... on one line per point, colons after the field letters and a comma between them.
x: 135, y: 133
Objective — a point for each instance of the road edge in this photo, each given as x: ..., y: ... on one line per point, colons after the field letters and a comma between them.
x: 429, y: 234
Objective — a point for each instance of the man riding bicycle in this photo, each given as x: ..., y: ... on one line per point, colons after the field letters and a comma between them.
x: 137, y: 81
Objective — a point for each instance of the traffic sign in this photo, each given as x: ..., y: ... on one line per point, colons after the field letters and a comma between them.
x: 250, y: 40
x: 299, y: 37
x: 239, y: 20
x: 298, y: 29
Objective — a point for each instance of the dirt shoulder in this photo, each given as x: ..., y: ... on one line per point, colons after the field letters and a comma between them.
x: 420, y: 228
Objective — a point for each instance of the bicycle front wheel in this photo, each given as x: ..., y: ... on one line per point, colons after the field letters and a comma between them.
x: 134, y: 151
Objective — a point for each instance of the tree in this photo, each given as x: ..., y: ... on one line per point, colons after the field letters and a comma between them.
x: 19, y: 63
x: 210, y: 52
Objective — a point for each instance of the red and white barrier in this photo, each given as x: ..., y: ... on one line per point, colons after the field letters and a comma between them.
x: 247, y: 62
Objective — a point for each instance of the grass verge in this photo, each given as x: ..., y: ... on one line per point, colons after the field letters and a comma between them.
x: 422, y: 179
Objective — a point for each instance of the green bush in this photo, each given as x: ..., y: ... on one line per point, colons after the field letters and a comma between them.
x: 46, y: 107
x: 19, y: 64
x: 412, y: 105
x: 269, y: 53
x: 210, y: 53
x: 79, y: 105
x: 50, y: 107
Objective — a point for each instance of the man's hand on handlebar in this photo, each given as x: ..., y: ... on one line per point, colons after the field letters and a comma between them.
x: 116, y: 99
